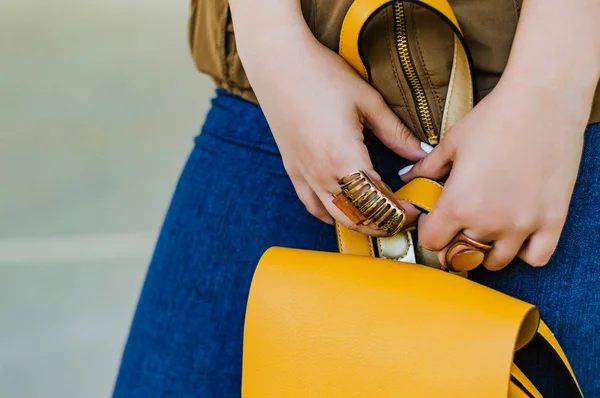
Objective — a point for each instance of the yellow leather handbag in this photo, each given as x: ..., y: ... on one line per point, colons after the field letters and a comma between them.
x: 342, y: 325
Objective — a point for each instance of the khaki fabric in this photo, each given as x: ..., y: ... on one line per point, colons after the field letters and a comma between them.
x: 488, y: 25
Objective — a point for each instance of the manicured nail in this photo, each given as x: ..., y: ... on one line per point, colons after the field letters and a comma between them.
x: 405, y: 170
x: 426, y: 147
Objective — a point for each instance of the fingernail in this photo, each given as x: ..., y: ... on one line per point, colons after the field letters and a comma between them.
x: 426, y: 147
x: 405, y: 170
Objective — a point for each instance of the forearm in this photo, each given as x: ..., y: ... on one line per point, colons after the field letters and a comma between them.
x: 557, y: 48
x: 268, y: 27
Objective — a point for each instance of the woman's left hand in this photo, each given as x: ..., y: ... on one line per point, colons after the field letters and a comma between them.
x: 513, y: 163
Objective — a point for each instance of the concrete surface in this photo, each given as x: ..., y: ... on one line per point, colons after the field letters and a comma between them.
x: 99, y: 102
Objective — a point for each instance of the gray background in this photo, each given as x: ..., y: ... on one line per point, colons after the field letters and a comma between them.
x: 99, y: 102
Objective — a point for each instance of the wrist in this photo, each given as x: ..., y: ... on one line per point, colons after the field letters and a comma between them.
x: 280, y: 44
x: 560, y: 110
x: 266, y: 31
x: 566, y: 78
x: 271, y: 47
x: 561, y: 99
x: 557, y: 49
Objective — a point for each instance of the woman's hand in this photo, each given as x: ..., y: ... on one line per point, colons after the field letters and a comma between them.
x: 317, y: 108
x: 515, y: 157
x: 513, y: 163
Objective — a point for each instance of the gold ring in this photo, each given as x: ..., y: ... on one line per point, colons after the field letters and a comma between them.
x: 366, y: 201
x: 465, y: 254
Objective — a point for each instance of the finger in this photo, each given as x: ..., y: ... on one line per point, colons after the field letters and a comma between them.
x: 356, y: 157
x: 326, y: 186
x: 437, y: 228
x: 538, y: 250
x: 379, y: 118
x: 435, y: 166
x: 442, y: 253
x: 326, y: 197
x: 503, y: 252
x: 311, y: 201
x: 339, y: 216
x: 412, y: 214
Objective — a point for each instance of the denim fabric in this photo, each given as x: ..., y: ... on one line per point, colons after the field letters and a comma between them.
x: 234, y: 200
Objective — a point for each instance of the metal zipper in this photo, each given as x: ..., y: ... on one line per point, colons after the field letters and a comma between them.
x: 408, y: 67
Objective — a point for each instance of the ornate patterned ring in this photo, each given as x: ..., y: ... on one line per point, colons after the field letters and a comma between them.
x: 364, y: 201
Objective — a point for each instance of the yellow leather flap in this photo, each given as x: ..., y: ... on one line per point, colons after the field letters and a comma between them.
x: 332, y: 325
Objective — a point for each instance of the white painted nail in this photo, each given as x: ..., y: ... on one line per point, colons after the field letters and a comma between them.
x: 405, y: 170
x: 426, y: 147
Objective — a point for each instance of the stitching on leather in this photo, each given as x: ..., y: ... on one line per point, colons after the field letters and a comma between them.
x: 408, y: 246
x: 491, y: 86
x: 422, y: 59
x: 485, y: 91
x: 428, y: 181
x: 342, y: 245
x: 393, y: 63
x: 340, y: 240
x: 418, y: 203
x: 467, y: 72
x: 403, y: 255
x: 363, y: 68
x: 450, y: 87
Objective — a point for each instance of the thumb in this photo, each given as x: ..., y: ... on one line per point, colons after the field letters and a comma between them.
x: 379, y: 118
x: 435, y: 166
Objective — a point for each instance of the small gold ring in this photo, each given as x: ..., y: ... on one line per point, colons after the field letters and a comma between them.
x: 364, y: 201
x: 465, y: 254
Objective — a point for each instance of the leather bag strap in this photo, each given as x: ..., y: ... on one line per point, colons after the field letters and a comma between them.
x: 546, y: 334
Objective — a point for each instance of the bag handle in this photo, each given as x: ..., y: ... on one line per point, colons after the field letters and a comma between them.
x: 459, y: 97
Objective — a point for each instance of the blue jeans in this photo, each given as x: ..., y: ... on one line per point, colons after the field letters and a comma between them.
x: 234, y: 200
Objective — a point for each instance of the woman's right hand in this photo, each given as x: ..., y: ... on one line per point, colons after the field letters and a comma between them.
x: 317, y: 107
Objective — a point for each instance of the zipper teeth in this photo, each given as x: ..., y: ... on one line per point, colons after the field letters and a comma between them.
x: 411, y: 74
